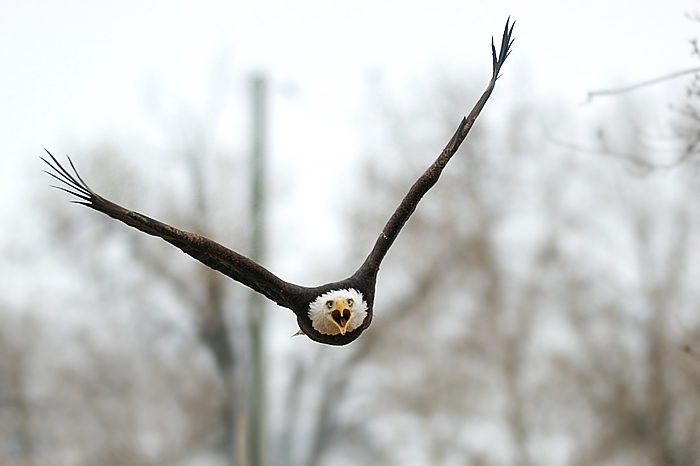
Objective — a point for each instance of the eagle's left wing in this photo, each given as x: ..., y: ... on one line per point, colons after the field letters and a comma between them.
x: 428, y: 179
x: 211, y: 253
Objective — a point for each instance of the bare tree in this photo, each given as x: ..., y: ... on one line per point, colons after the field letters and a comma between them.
x: 530, y: 315
x: 177, y: 315
x: 17, y: 334
x: 540, y: 309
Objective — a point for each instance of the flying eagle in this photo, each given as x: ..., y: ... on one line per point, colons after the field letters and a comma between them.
x: 335, y: 313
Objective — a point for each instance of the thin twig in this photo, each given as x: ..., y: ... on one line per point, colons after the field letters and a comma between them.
x: 622, y: 90
x: 634, y: 159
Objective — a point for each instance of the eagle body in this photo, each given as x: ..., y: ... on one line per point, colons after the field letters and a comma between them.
x: 314, y: 316
x: 335, y: 313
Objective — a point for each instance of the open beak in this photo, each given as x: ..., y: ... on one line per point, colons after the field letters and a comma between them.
x: 341, y: 315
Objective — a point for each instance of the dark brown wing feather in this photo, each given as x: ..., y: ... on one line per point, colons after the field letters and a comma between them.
x: 209, y: 252
x: 432, y: 174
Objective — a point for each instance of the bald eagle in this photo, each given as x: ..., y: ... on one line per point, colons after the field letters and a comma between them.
x: 335, y: 313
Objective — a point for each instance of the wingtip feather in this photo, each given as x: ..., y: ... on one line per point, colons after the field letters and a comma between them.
x: 506, y: 47
x: 74, y: 184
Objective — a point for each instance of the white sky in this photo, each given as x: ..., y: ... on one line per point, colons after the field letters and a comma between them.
x: 73, y: 73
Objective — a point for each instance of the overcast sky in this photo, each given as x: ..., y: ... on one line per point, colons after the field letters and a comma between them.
x: 75, y: 73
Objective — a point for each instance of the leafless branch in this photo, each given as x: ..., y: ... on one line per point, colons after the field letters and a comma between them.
x: 632, y: 87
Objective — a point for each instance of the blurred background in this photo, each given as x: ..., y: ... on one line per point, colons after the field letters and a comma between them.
x: 541, y: 307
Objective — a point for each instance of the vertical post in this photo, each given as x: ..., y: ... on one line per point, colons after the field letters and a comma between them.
x: 256, y: 408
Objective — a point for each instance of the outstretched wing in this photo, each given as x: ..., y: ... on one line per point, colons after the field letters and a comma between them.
x: 432, y: 174
x: 209, y: 252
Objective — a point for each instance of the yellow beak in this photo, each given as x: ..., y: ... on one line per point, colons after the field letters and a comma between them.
x: 341, y: 315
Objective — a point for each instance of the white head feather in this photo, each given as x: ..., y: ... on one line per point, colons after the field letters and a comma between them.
x: 320, y: 313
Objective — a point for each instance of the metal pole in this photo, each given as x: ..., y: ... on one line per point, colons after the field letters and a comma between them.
x: 256, y: 410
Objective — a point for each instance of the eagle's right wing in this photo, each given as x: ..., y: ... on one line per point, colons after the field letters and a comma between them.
x: 210, y: 253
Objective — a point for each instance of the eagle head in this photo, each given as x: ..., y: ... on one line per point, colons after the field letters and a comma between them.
x: 338, y: 311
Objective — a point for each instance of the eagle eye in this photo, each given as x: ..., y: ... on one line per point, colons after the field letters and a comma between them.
x: 351, y: 302
x: 329, y: 304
